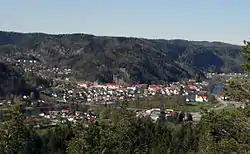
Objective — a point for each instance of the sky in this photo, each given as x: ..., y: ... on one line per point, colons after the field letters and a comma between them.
x: 209, y: 20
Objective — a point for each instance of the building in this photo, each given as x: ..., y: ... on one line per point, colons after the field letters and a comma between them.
x: 200, y: 98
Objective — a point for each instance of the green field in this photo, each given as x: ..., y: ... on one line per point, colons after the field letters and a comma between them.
x: 195, y: 108
x: 172, y: 102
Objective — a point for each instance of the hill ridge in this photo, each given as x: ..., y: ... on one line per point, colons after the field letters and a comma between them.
x: 110, y: 36
x: 129, y: 59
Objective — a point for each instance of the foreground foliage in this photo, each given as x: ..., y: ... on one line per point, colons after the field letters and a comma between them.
x: 16, y: 137
x: 217, y: 132
x: 239, y: 90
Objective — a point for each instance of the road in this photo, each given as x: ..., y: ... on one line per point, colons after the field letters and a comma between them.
x: 217, y: 89
x: 226, y: 103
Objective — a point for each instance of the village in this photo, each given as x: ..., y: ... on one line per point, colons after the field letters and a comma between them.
x: 68, y: 100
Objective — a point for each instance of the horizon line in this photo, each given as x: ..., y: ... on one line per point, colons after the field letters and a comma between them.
x: 136, y: 37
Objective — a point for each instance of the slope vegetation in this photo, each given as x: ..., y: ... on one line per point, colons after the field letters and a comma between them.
x: 126, y: 59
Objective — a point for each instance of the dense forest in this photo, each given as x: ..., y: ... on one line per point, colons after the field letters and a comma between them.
x: 14, y: 81
x: 128, y: 59
x: 11, y: 80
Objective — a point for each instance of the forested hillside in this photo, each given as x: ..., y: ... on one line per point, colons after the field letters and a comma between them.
x: 10, y: 80
x: 14, y: 80
x: 128, y: 59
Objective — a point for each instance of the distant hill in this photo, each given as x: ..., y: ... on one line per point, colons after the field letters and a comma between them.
x: 129, y: 59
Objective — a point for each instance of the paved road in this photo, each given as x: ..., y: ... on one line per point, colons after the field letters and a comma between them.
x: 226, y: 103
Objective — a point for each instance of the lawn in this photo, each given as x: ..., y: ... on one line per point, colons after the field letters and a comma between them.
x: 229, y: 108
x: 172, y: 102
x: 195, y: 108
x: 155, y: 102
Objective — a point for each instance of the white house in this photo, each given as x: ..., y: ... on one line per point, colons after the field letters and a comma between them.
x: 201, y: 98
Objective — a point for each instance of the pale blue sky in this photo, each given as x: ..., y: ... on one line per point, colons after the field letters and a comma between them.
x: 211, y: 20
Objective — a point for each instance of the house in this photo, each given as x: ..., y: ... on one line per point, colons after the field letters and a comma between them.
x: 131, y: 88
x: 113, y: 86
x: 192, y: 87
x: 65, y: 111
x: 223, y: 97
x: 97, y: 87
x: 53, y: 112
x: 169, y: 112
x: 84, y: 84
x: 190, y: 98
x: 200, y: 98
x: 62, y: 101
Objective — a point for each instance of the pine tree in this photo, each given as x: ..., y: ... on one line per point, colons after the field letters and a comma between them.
x: 246, y: 56
x: 239, y: 89
x: 14, y: 136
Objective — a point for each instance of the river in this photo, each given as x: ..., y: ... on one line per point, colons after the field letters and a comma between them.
x: 218, y: 88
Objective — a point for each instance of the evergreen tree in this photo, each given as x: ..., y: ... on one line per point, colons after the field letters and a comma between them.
x: 246, y: 56
x: 15, y: 136
x: 239, y: 89
x: 224, y: 132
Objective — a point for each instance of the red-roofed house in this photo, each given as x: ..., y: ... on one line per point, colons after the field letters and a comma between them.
x: 201, y: 98
x: 113, y: 86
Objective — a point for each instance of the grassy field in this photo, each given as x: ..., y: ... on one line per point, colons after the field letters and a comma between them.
x: 230, y: 107
x: 173, y: 102
x: 154, y: 102
x: 195, y: 108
